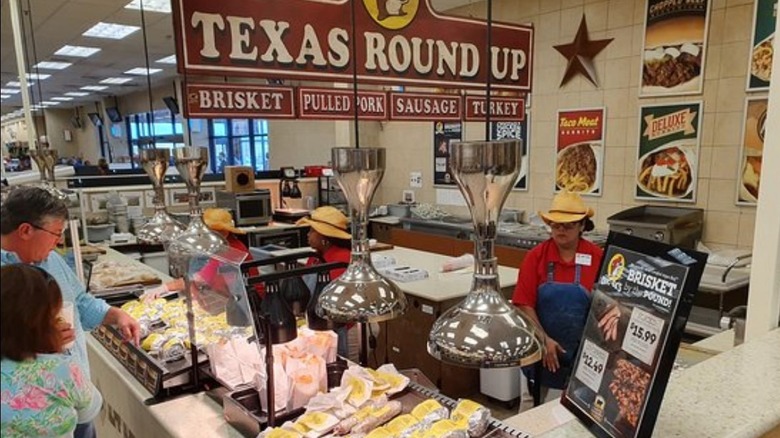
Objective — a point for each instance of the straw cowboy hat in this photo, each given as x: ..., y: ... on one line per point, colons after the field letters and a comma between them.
x: 219, y: 219
x: 329, y: 222
x: 566, y: 207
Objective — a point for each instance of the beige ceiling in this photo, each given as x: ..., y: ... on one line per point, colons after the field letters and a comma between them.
x: 56, y: 23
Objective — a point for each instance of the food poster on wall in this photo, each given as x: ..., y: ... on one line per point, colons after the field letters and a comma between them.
x: 579, y: 151
x: 668, y: 152
x: 754, y: 128
x: 762, y: 47
x: 444, y: 133
x: 640, y: 305
x: 518, y: 130
x: 674, y: 47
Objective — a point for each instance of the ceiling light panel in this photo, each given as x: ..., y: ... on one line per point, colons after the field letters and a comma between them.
x: 38, y: 76
x: 151, y: 5
x: 167, y: 60
x: 119, y: 80
x: 77, y: 51
x: 4, y: 96
x: 62, y: 99
x: 140, y: 71
x: 49, y: 103
x: 50, y: 65
x: 18, y: 84
x: 9, y: 90
x: 112, y: 31
x: 76, y: 93
x: 95, y: 87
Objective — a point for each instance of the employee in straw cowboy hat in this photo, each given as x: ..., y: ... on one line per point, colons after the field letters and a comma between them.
x: 221, y: 222
x: 328, y: 236
x: 553, y: 288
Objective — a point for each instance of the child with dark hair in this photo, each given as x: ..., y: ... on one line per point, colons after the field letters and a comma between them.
x: 45, y: 393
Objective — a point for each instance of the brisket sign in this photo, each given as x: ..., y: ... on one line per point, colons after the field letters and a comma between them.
x: 401, y: 42
x: 229, y: 100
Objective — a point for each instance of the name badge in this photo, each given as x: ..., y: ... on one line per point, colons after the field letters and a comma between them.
x: 583, y: 259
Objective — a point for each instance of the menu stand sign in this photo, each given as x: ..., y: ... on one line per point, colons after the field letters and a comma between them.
x: 641, y: 302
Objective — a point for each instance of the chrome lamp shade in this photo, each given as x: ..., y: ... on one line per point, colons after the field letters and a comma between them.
x: 161, y: 227
x: 191, y: 162
x: 360, y: 294
x: 484, y: 330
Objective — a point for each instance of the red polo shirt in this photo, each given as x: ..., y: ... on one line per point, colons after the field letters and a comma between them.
x: 533, y: 272
x: 333, y: 254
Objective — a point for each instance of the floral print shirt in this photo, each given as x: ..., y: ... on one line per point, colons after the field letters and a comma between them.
x: 45, y: 397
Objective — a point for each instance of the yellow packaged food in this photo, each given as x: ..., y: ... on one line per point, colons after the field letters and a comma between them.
x: 446, y: 429
x: 472, y: 415
x: 430, y: 411
x: 401, y: 424
x: 380, y: 432
x: 318, y: 421
x: 279, y: 433
x: 153, y: 342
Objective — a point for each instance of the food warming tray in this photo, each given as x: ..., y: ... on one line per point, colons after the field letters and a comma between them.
x: 242, y: 408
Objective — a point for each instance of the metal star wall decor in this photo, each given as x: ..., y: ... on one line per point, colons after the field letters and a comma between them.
x: 580, y: 53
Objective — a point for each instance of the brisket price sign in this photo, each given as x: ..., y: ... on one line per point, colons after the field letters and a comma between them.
x: 400, y: 42
x: 640, y: 305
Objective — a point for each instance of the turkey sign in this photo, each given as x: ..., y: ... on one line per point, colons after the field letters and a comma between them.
x: 399, y: 42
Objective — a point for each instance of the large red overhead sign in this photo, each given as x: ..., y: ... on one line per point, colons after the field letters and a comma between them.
x: 401, y: 42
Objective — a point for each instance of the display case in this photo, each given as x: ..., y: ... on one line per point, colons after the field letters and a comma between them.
x: 329, y: 193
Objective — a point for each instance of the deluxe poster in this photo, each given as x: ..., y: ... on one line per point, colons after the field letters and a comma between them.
x: 444, y: 133
x: 579, y: 151
x: 668, y: 152
x: 518, y: 130
x: 753, y: 131
x: 640, y: 305
x: 674, y: 47
x: 762, y: 45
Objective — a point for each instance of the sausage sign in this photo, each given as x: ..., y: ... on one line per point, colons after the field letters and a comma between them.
x: 399, y: 42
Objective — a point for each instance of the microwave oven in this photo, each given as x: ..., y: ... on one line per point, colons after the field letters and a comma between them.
x: 248, y: 208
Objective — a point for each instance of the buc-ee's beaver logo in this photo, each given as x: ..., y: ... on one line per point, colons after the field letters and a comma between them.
x: 616, y: 267
x: 392, y: 14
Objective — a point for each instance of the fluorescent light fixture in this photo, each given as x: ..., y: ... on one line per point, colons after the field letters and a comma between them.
x: 118, y: 80
x: 4, y: 96
x: 49, y: 103
x: 50, y: 65
x: 77, y: 51
x: 167, y: 60
x: 141, y: 71
x: 112, y: 31
x: 151, y: 5
x: 95, y: 87
x: 18, y: 84
x: 9, y: 90
x: 76, y: 93
x: 38, y: 76
x: 62, y: 99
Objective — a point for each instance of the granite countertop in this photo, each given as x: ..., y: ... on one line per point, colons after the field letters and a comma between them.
x: 719, y: 397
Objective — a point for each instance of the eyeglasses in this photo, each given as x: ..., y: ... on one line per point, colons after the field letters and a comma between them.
x: 57, y: 235
x: 564, y: 226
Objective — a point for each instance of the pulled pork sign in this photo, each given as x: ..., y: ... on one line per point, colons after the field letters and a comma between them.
x: 402, y: 42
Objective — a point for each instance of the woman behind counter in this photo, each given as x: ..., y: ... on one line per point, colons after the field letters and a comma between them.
x: 328, y: 236
x: 553, y: 288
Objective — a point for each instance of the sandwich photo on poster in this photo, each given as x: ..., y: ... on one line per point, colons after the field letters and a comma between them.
x: 579, y: 151
x: 668, y: 152
x: 674, y: 47
x: 444, y: 133
x: 753, y: 132
x: 762, y: 45
x: 516, y: 130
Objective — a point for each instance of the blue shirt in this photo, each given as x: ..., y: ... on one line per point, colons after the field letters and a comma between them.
x: 46, y: 397
x: 89, y: 311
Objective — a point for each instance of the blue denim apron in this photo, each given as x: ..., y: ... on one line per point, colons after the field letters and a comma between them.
x: 562, y: 309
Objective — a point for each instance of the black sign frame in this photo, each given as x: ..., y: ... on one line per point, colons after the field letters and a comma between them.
x: 593, y: 407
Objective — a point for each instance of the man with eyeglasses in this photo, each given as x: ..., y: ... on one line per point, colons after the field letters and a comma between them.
x: 553, y: 288
x: 32, y: 223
